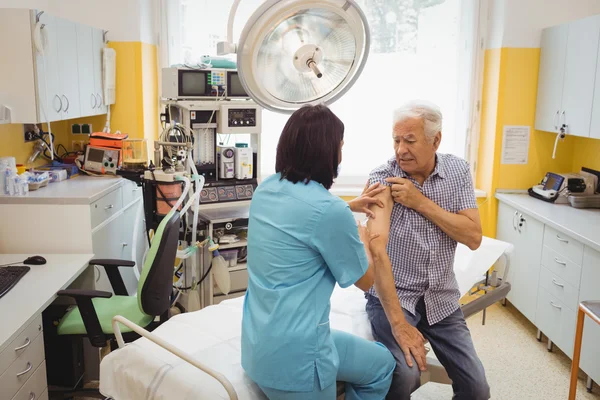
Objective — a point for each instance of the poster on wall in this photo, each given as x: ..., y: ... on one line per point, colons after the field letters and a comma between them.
x: 515, y: 144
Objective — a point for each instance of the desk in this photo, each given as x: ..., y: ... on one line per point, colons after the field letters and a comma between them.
x: 21, y: 309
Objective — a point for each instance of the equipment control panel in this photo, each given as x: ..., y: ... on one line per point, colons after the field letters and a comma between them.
x: 242, y: 117
x: 226, y: 193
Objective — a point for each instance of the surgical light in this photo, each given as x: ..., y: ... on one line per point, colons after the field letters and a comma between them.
x: 297, y: 52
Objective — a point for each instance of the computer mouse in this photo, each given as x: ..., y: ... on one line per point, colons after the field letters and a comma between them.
x: 35, y: 260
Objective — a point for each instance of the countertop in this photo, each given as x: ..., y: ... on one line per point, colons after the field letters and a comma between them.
x: 581, y: 224
x: 36, y: 290
x: 80, y: 190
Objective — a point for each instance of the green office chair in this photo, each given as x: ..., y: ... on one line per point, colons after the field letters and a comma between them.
x: 92, y: 317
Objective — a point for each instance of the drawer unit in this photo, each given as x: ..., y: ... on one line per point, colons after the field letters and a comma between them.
x: 22, y: 368
x: 130, y: 192
x: 35, y: 386
x: 563, y: 244
x: 20, y: 344
x: 239, y: 281
x: 559, y: 288
x: 106, y: 207
x: 561, y: 266
x: 556, y: 321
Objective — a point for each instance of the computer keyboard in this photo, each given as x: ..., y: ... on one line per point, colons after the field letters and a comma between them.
x: 9, y: 276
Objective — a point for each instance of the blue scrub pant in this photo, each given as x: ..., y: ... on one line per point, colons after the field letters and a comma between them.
x: 365, y: 367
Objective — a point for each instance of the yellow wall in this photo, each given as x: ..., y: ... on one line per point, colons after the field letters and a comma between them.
x: 135, y: 111
x: 509, y: 98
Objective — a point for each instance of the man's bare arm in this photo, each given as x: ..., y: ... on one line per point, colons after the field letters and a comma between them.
x: 409, y: 338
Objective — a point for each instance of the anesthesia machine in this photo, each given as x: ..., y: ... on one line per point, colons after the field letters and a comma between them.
x: 209, y: 151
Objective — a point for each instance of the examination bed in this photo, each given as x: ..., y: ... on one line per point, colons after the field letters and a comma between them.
x: 197, y: 355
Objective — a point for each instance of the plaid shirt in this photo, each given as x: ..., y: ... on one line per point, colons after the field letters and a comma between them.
x: 422, y: 255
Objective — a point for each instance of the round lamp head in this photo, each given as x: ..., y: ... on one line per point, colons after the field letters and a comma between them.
x: 297, y: 52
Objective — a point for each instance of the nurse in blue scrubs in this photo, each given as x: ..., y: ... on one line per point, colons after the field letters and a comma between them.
x: 302, y: 240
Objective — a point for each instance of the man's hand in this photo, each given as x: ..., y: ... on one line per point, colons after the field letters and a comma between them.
x: 405, y: 193
x: 412, y: 343
x: 361, y: 204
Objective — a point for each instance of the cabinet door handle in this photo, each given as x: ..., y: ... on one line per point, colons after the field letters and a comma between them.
x: 557, y: 284
x: 513, y: 221
x: 556, y: 260
x: 564, y: 117
x: 561, y: 239
x: 27, y: 343
x: 59, y: 103
x: 31, y: 396
x: 99, y: 100
x: 93, y: 101
x: 555, y: 305
x: 556, y: 120
x: 67, y: 101
x: 109, y: 207
x: 29, y: 366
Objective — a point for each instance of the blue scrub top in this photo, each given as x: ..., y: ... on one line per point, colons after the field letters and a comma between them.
x: 301, y: 241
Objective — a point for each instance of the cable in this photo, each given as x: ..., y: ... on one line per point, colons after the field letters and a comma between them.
x: 41, y: 42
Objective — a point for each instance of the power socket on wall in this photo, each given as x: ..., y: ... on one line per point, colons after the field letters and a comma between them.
x: 78, y: 145
x: 28, y: 132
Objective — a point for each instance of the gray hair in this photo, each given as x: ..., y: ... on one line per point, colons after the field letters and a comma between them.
x: 427, y: 111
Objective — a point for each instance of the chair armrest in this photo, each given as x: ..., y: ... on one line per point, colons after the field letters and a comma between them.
x: 112, y: 271
x: 83, y: 298
x: 113, y: 263
x: 80, y: 293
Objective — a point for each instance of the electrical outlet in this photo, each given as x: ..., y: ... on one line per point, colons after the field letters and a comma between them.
x: 77, y: 145
x: 28, y: 132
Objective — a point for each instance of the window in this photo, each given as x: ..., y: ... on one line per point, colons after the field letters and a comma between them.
x: 419, y: 49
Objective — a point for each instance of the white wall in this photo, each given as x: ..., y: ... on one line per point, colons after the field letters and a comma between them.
x: 519, y: 23
x: 126, y: 20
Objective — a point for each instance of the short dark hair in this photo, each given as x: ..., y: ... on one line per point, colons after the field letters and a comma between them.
x: 308, y: 149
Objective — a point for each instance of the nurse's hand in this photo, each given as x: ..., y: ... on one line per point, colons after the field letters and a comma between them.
x: 361, y: 203
x: 411, y: 343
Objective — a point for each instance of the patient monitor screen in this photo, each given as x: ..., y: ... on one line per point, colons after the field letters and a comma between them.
x: 95, y: 155
x: 235, y: 87
x: 193, y: 83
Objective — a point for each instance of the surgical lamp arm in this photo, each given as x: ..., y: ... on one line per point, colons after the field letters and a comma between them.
x: 228, y: 47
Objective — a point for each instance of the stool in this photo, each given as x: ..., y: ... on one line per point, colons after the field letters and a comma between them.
x: 592, y: 310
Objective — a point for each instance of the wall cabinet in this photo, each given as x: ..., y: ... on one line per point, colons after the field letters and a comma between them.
x: 550, y: 273
x: 64, y: 61
x: 568, y: 69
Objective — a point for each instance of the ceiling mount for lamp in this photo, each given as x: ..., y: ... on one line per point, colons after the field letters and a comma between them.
x: 297, y: 52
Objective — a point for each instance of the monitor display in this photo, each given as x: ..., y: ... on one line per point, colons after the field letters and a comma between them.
x: 95, y: 155
x: 235, y: 88
x: 192, y: 83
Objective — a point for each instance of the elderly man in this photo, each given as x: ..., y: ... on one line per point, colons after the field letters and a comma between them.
x: 429, y: 206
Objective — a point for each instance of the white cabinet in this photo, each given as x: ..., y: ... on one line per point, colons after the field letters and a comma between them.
x: 549, y: 296
x: 551, y: 76
x: 62, y: 60
x: 580, y: 74
x: 68, y: 68
x: 85, y: 62
x: 49, y: 100
x: 568, y: 63
x: 97, y: 45
x: 526, y: 234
